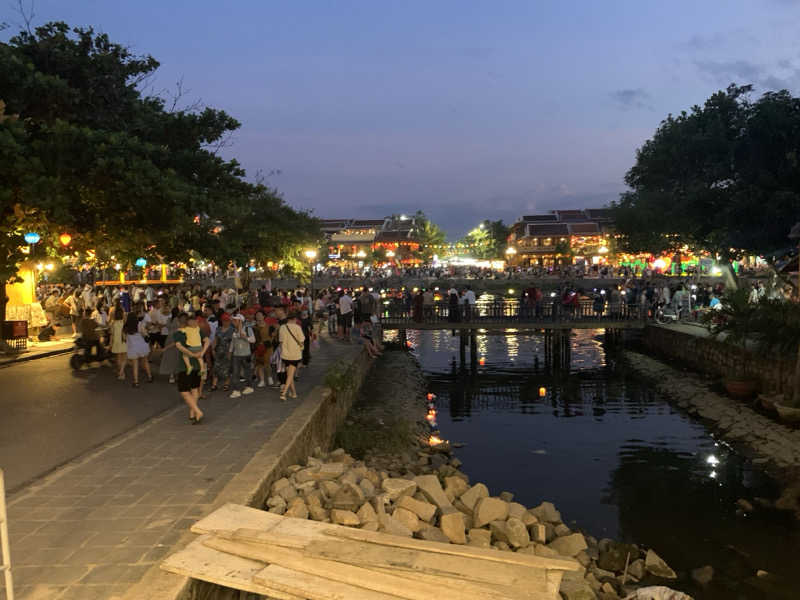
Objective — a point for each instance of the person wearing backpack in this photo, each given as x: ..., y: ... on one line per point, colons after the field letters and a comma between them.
x: 240, y: 352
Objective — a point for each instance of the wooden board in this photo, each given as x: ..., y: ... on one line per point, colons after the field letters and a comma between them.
x: 386, y: 583
x: 230, y: 517
x: 202, y: 562
x: 313, y: 587
x: 399, y: 560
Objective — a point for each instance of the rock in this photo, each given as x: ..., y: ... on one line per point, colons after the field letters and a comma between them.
x: 407, y: 518
x: 703, y: 575
x: 501, y: 546
x: 452, y: 525
x: 329, y: 488
x: 454, y: 486
x: 424, y: 510
x: 538, y: 533
x: 562, y: 530
x: 277, y: 502
x: 438, y: 460
x: 655, y: 565
x: 527, y: 517
x: 395, y: 488
x: 575, y: 587
x: 329, y: 471
x: 345, y: 517
x: 489, y: 509
x: 499, y: 531
x: 287, y: 492
x: 516, y: 510
x: 542, y: 550
x: 608, y: 589
x: 592, y: 581
x: 431, y: 488
x: 480, y: 537
x: 615, y: 555
x: 388, y: 524
x: 349, y: 497
x: 379, y: 503
x: 517, y: 533
x: 367, y: 487
x: 318, y: 513
x: 280, y: 483
x: 744, y: 505
x: 297, y: 508
x: 547, y: 512
x: 367, y: 514
x: 762, y: 574
x: 569, y: 545
x: 549, y: 532
x: 583, y: 558
x: 507, y: 496
x: 432, y: 534
x: 636, y: 568
x: 473, y: 494
x: 455, y: 463
x: 371, y: 526
x: 304, y: 475
x: 306, y: 487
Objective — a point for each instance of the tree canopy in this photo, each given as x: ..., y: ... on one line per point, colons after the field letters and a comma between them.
x: 84, y: 150
x: 723, y: 177
x: 489, y: 240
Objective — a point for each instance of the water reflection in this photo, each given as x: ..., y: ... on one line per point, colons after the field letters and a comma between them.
x: 615, y: 458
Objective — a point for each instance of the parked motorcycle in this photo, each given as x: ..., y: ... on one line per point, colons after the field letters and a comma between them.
x: 83, y: 354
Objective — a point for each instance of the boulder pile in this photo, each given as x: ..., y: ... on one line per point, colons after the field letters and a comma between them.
x: 432, y: 500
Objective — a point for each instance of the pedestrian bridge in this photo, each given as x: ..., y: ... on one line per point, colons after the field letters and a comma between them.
x: 510, y: 314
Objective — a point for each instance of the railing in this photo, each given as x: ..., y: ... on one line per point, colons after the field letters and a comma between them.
x: 509, y: 312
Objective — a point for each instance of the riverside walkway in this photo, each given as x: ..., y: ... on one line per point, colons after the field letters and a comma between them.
x: 94, y: 527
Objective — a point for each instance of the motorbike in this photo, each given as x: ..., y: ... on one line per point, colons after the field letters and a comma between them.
x: 666, y: 315
x: 82, y: 354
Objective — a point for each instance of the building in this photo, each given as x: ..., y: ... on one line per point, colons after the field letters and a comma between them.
x: 561, y: 237
x: 351, y: 241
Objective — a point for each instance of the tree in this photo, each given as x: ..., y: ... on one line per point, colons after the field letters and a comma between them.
x: 723, y: 177
x: 488, y: 240
x: 429, y: 235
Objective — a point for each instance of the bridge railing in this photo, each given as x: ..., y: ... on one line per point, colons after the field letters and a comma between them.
x: 509, y: 311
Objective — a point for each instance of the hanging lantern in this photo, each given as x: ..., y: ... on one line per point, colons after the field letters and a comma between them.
x: 141, y: 262
x: 31, y: 237
x: 542, y: 392
x: 65, y: 239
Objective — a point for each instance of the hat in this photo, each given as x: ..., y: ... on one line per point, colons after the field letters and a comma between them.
x: 224, y: 317
x: 239, y: 317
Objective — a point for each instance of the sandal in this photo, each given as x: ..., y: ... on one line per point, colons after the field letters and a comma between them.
x: 213, y: 388
x: 283, y: 395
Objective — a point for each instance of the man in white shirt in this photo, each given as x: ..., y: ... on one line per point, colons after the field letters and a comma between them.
x: 469, y: 303
x: 345, y: 315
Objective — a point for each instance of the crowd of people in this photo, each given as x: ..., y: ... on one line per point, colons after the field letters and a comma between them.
x: 205, y: 339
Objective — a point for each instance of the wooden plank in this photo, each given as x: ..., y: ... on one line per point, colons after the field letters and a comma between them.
x: 357, y: 576
x: 231, y: 517
x: 313, y: 587
x: 202, y: 562
x: 528, y: 560
x: 468, y: 569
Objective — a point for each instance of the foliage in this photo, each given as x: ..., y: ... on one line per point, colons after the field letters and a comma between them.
x: 724, y: 176
x: 340, y: 378
x: 489, y: 238
x: 429, y: 234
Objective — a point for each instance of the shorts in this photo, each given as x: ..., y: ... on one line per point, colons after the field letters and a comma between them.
x: 346, y: 320
x: 157, y: 339
x: 188, y: 381
x: 294, y: 363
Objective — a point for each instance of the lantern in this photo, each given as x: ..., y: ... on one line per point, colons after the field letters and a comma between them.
x: 141, y: 262
x: 542, y: 392
x: 65, y: 239
x: 31, y: 237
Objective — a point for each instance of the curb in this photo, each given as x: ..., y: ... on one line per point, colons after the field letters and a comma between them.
x: 24, y: 358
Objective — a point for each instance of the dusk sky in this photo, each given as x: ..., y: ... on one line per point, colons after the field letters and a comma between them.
x: 466, y: 110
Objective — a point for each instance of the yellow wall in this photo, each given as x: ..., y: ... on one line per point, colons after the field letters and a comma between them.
x: 20, y: 294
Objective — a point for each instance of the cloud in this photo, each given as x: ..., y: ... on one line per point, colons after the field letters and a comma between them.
x: 628, y: 99
x: 784, y: 75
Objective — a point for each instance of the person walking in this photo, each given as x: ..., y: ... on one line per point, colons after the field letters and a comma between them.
x: 170, y: 356
x: 241, y: 357
x: 118, y: 346
x: 137, y: 348
x: 265, y: 336
x: 345, y: 316
x: 75, y: 306
x: 189, y: 369
x: 291, y: 338
x: 222, y: 353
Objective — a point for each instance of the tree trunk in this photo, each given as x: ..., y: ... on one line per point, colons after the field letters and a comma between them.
x: 4, y: 347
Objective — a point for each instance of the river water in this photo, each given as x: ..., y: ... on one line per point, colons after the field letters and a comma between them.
x: 617, y: 460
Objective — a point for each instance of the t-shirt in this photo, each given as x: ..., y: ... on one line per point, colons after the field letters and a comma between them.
x: 291, y: 338
x: 179, y: 337
x: 469, y: 297
x: 345, y: 305
x: 193, y: 336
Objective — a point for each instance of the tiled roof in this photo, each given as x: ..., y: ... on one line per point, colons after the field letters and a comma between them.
x: 584, y: 228
x: 570, y: 215
x: 537, y: 218
x: 537, y: 229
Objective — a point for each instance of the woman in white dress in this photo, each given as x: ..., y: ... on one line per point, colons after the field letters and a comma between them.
x: 138, y: 349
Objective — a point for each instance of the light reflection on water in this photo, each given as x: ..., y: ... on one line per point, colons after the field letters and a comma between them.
x: 616, y: 459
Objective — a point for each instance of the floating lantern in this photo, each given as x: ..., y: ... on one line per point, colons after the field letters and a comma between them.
x: 31, y: 237
x: 141, y: 262
x: 65, y: 239
x: 542, y: 392
x: 482, y: 361
x: 435, y: 440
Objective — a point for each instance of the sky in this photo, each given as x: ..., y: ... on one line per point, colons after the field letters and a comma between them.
x: 467, y: 110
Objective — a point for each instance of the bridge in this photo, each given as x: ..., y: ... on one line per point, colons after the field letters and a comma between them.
x: 510, y: 314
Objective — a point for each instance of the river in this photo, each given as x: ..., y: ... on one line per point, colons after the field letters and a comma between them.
x: 617, y: 460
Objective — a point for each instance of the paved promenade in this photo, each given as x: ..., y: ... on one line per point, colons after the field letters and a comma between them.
x: 92, y: 528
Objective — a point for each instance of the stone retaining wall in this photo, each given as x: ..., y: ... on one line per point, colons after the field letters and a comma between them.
x: 712, y: 357
x: 312, y: 424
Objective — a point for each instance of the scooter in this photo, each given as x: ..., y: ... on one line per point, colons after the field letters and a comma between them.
x: 82, y: 354
x: 666, y: 315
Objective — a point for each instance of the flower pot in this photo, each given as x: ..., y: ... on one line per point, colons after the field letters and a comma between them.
x: 741, y: 389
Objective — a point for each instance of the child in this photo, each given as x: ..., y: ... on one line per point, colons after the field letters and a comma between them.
x: 194, y: 343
